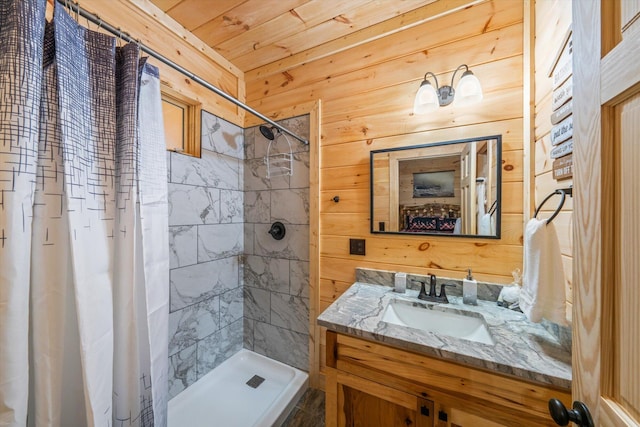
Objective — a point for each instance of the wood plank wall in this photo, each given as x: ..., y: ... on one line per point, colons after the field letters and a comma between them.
x: 552, y: 20
x: 367, y: 93
x: 147, y: 23
x: 367, y: 97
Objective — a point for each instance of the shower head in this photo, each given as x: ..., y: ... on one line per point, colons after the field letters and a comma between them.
x: 267, y: 132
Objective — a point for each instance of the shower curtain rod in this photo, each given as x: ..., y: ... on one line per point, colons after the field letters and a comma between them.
x: 75, y: 7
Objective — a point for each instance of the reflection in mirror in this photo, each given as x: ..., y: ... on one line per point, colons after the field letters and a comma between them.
x: 447, y: 188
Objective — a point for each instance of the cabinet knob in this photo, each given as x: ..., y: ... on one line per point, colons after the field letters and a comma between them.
x: 579, y: 414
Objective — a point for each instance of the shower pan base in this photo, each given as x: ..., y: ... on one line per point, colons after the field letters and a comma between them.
x: 229, y: 396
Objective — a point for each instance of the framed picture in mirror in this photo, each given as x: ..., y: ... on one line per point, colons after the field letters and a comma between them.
x: 433, y: 184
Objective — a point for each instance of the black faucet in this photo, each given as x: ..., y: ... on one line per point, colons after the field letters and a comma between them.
x: 431, y: 296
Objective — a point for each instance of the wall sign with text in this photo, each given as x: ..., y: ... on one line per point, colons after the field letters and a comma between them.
x: 562, y: 108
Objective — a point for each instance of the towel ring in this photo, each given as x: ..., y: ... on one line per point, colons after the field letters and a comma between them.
x: 563, y: 193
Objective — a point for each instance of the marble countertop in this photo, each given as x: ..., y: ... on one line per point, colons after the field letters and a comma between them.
x: 522, y: 349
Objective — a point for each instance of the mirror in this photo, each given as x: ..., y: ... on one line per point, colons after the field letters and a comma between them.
x: 447, y: 188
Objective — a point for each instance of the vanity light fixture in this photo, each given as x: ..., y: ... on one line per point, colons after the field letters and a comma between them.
x: 428, y: 98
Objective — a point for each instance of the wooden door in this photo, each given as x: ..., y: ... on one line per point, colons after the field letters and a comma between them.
x: 606, y: 323
x: 468, y: 188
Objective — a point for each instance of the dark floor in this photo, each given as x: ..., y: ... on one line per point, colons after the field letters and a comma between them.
x: 309, y: 411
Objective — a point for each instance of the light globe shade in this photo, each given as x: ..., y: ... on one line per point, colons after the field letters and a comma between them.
x: 468, y: 90
x: 426, y: 99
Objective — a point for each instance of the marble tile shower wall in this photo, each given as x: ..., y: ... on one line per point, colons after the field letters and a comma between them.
x: 276, y: 272
x: 206, y: 247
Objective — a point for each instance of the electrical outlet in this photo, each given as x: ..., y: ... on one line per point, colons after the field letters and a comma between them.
x: 357, y: 246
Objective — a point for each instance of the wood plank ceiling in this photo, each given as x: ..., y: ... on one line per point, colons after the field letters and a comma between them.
x: 253, y: 33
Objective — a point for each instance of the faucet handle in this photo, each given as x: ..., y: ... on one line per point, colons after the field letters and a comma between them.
x: 443, y: 293
x: 423, y: 292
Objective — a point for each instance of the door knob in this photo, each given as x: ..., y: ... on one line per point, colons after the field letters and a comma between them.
x: 579, y: 414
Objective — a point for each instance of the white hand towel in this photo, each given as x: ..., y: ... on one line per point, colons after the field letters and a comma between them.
x: 543, y: 294
x: 458, y: 227
x: 484, y: 226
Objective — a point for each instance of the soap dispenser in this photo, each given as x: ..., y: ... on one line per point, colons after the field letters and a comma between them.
x: 469, y: 289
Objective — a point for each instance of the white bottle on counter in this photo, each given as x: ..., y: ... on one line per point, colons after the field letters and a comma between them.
x: 469, y: 290
x: 400, y: 282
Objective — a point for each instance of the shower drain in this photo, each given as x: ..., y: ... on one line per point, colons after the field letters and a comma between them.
x: 255, y: 381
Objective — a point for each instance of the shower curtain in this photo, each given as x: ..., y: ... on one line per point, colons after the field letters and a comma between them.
x: 83, y: 227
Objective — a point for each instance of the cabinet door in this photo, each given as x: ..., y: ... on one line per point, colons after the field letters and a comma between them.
x: 365, y: 410
x: 459, y: 418
x: 364, y: 403
x: 380, y: 406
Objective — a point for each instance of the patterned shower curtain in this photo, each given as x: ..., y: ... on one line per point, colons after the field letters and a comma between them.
x: 83, y: 227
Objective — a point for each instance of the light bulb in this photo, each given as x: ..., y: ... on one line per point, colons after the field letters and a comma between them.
x: 468, y: 90
x: 426, y: 99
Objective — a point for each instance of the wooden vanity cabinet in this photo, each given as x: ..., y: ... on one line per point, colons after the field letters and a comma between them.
x: 370, y: 384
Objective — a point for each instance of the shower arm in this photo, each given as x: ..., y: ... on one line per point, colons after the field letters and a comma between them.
x: 75, y: 8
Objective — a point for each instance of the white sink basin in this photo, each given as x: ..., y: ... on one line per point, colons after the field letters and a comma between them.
x: 440, y: 322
